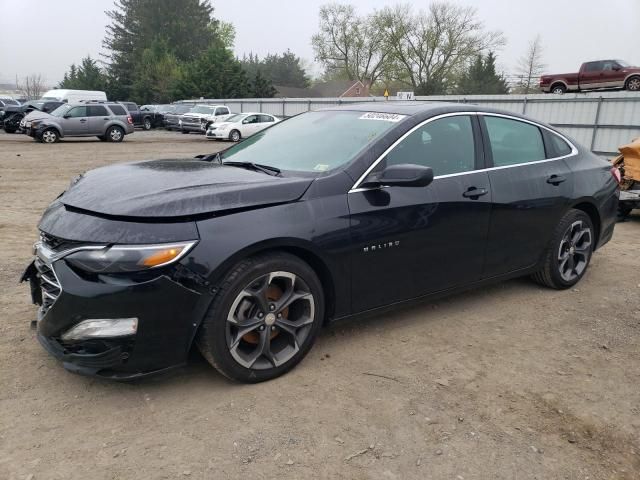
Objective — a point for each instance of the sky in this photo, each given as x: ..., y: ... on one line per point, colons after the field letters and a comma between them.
x: 46, y: 36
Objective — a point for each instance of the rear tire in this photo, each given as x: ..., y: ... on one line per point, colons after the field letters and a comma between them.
x: 569, y: 252
x: 558, y: 89
x: 115, y: 134
x: 253, y: 330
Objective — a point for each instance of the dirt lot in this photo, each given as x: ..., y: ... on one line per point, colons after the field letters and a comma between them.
x: 509, y: 382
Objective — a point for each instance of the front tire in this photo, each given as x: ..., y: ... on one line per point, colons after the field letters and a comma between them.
x: 146, y: 125
x: 50, y: 135
x: 115, y: 134
x: 569, y: 253
x: 264, y: 318
x: 633, y: 84
x: 234, y: 136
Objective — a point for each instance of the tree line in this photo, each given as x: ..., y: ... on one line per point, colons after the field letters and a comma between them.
x: 161, y: 50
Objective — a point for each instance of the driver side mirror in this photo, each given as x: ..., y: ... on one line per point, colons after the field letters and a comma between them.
x: 66, y: 116
x: 616, y: 67
x: 403, y: 175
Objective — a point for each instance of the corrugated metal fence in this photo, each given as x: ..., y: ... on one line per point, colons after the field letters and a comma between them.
x: 600, y: 120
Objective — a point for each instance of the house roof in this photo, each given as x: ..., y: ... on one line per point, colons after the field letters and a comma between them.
x: 332, y: 88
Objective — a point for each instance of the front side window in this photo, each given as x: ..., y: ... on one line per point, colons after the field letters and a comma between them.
x: 251, y: 119
x: 446, y: 145
x: 608, y: 65
x: 513, y: 142
x: 76, y: 112
x: 314, y: 141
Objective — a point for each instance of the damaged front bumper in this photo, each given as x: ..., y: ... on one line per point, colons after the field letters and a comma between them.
x: 166, y: 309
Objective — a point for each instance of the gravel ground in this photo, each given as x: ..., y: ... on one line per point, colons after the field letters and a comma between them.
x: 512, y: 381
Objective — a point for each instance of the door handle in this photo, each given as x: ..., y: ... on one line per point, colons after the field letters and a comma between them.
x: 474, y: 193
x: 82, y: 120
x: 556, y: 179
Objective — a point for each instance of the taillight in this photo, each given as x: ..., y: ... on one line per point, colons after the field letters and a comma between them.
x: 130, y: 120
x: 615, y: 172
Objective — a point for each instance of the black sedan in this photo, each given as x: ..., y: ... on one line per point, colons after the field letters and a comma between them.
x: 333, y: 213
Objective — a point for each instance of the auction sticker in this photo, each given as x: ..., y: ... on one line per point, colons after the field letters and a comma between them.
x: 386, y: 117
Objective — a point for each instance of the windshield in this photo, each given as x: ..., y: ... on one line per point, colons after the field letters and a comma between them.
x: 236, y: 118
x: 182, y: 109
x: 314, y: 141
x: 201, y: 109
x: 623, y: 64
x: 61, y: 110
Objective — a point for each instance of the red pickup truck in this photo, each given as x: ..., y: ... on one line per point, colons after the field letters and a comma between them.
x: 592, y: 75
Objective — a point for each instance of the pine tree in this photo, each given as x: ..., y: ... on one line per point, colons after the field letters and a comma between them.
x: 262, y: 87
x: 87, y: 76
x: 187, y: 27
x: 481, y: 78
x: 156, y: 75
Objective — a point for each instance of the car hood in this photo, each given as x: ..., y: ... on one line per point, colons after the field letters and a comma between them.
x: 178, y: 188
x: 35, y: 115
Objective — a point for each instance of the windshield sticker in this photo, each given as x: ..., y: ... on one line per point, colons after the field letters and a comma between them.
x: 321, y: 167
x: 387, y: 117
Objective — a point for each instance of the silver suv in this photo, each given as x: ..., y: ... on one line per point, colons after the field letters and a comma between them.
x: 109, y: 121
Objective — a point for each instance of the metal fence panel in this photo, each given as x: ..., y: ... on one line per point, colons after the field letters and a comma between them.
x: 601, y: 121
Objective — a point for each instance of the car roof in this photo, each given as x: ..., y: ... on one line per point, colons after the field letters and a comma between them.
x: 404, y: 108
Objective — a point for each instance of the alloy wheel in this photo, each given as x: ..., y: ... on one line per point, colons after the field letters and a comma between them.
x: 235, y: 136
x: 147, y: 124
x: 49, y: 137
x: 115, y: 134
x: 574, y: 251
x: 269, y: 320
x: 634, y: 84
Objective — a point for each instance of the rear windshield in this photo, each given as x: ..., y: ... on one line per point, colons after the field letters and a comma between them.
x: 117, y: 109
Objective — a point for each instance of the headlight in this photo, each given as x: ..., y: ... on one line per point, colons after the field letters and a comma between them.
x: 129, y: 258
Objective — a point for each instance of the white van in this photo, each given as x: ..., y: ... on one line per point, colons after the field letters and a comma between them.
x: 63, y: 95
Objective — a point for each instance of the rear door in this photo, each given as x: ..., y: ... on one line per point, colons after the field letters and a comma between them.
x: 265, y: 121
x: 410, y: 241
x: 76, y: 121
x: 530, y: 192
x: 98, y: 118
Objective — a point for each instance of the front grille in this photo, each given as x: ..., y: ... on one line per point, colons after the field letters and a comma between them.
x: 49, y: 285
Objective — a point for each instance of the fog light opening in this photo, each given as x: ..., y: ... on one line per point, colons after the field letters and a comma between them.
x: 102, y: 328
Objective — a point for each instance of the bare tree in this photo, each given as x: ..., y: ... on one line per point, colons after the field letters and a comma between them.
x: 349, y: 45
x: 32, y: 85
x: 530, y: 67
x: 429, y: 48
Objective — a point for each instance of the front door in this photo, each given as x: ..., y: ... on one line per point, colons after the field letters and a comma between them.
x: 530, y: 191
x: 76, y: 122
x: 410, y: 241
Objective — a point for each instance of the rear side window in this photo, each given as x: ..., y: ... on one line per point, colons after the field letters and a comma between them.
x: 118, y: 109
x: 561, y: 147
x: 222, y: 111
x: 513, y: 142
x: 97, y: 111
x: 266, y: 118
x: 593, y: 66
x: 446, y: 145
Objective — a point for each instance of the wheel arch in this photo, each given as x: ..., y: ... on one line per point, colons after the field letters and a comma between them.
x: 54, y: 127
x: 629, y: 77
x: 304, y: 250
x: 590, y: 209
x: 558, y: 82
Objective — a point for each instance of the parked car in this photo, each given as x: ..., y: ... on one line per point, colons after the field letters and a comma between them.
x: 172, y: 119
x: 14, y: 115
x: 200, y: 117
x: 70, y: 96
x: 240, y: 125
x: 143, y: 118
x: 247, y: 253
x: 593, y: 75
x: 109, y: 121
x: 6, y: 103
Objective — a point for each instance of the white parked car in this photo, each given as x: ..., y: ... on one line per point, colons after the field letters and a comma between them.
x: 200, y: 117
x: 240, y: 125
